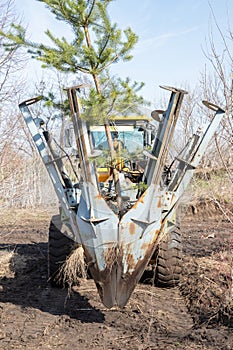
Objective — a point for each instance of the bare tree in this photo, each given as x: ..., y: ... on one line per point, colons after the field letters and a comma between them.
x: 20, y: 172
x: 217, y: 85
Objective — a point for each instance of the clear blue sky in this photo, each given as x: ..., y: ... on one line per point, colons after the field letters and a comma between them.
x: 172, y: 35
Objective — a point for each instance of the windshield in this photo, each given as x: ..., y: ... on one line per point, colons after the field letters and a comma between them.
x: 130, y: 137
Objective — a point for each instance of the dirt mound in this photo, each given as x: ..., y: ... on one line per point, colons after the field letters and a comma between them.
x: 207, y: 286
x: 207, y: 279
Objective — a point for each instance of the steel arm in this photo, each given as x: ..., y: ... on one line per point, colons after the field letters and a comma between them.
x: 53, y: 166
x: 155, y: 164
x: 193, y: 154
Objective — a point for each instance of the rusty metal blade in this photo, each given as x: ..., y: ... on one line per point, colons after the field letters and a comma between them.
x: 117, y: 253
x: 138, y: 232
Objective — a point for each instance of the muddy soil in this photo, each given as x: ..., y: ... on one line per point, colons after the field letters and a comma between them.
x: 196, y: 315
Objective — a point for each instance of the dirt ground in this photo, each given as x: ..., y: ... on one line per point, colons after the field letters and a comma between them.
x: 196, y: 315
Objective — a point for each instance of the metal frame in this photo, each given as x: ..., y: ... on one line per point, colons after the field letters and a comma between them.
x: 118, y: 247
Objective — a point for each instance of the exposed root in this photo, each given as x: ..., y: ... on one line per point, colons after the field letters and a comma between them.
x: 74, y: 269
x: 111, y: 256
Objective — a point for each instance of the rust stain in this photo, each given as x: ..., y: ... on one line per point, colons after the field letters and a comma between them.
x: 98, y: 196
x: 159, y: 203
x: 130, y: 260
x: 147, y: 245
x: 132, y: 228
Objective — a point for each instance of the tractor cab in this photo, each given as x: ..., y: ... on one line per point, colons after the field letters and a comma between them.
x: 134, y: 133
x: 130, y: 136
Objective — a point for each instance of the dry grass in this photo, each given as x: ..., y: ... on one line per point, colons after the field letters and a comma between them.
x: 73, y: 269
x: 11, y: 263
x: 215, y: 188
x: 111, y: 256
x: 5, y: 263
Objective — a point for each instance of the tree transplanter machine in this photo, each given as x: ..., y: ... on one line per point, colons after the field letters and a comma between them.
x: 125, y: 219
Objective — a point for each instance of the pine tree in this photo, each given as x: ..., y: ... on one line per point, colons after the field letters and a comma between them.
x: 96, y: 44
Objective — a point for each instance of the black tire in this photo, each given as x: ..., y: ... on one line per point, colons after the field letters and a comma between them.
x: 59, y: 248
x: 169, y: 260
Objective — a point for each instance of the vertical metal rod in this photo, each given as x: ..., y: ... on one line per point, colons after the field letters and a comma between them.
x: 162, y: 151
x: 156, y: 164
x: 81, y: 141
